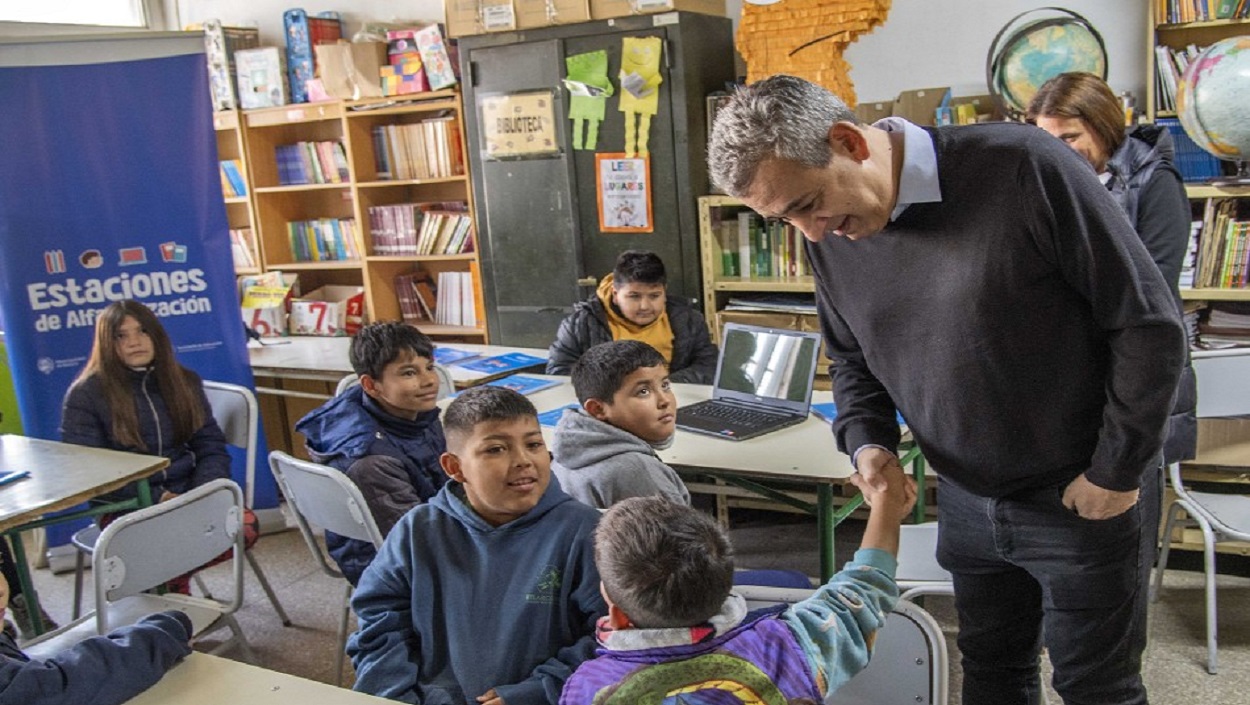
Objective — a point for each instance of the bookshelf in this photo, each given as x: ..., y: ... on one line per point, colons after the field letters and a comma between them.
x: 338, y: 208
x: 232, y: 145
x: 719, y: 242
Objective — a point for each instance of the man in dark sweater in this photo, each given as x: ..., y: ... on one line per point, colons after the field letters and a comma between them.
x: 980, y: 280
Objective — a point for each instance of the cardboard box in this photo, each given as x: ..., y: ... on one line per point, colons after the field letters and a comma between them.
x: 330, y: 310
x: 266, y: 298
x: 606, y: 9
x: 349, y: 70
x: 919, y: 106
x: 535, y: 14
x: 467, y: 17
x: 979, y: 108
x: 870, y: 112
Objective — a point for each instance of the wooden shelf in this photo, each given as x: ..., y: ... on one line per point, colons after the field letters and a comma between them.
x: 1207, y: 191
x: 284, y: 115
x: 440, y: 329
x: 302, y: 187
x: 466, y: 257
x: 393, y: 183
x: 403, y: 105
x: 232, y: 200
x: 327, y: 264
x: 778, y: 284
x: 239, y: 271
x: 1181, y: 26
x: 1215, y: 294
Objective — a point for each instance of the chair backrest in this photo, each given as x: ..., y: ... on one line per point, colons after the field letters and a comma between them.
x: 322, y: 496
x: 909, y: 664
x: 446, y: 385
x: 1223, y: 384
x: 238, y: 414
x: 918, y: 570
x: 147, y: 548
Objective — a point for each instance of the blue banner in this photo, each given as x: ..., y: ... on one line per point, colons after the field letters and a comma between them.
x: 109, y: 190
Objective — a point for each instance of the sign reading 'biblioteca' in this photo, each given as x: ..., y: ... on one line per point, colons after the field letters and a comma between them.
x: 518, y: 125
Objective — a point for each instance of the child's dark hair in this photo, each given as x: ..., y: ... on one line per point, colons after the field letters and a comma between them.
x: 603, y: 368
x: 379, y: 344
x: 664, y: 564
x: 480, y: 404
x: 638, y: 266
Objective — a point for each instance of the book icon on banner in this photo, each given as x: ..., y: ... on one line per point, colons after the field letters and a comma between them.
x: 523, y: 384
x: 508, y: 362
x: 54, y: 261
x: 173, y: 252
x: 552, y: 418
x: 127, y: 256
x: 452, y: 356
x: 828, y: 411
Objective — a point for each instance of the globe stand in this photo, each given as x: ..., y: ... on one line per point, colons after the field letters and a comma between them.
x: 1241, y: 178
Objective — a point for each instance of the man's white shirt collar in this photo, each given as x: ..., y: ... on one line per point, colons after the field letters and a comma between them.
x: 918, y: 182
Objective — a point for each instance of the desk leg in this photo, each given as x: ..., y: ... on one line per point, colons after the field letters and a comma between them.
x: 27, y: 586
x: 825, y: 526
x: 144, y: 490
x: 917, y: 467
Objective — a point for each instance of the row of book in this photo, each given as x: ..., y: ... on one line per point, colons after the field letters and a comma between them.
x: 1225, y: 324
x: 1170, y: 65
x: 450, y: 301
x: 322, y: 162
x: 1193, y: 162
x: 429, y: 149
x: 323, y: 239
x: 243, y: 249
x: 418, y: 229
x: 1178, y: 11
x: 754, y: 247
x: 232, y: 183
x: 1223, y: 258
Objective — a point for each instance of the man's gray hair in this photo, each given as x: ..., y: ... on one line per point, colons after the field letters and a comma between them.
x: 780, y: 117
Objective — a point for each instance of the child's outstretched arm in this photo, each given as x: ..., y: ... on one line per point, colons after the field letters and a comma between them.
x: 837, y: 626
x: 102, y: 670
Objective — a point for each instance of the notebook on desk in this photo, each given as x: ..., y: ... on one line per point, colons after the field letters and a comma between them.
x: 763, y: 383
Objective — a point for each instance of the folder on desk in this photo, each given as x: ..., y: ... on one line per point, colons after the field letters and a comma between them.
x: 13, y: 476
x: 828, y: 411
x: 508, y: 362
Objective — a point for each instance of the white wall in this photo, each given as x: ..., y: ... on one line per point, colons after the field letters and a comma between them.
x: 267, y: 14
x: 926, y: 43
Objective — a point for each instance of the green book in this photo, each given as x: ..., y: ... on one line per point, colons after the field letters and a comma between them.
x: 1225, y: 9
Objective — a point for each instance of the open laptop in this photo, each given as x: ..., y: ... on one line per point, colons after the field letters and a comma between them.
x: 763, y: 383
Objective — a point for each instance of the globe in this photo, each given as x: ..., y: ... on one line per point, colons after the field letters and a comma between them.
x: 1025, y: 55
x: 1211, y: 101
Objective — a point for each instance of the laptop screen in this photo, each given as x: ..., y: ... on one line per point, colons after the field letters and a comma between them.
x: 767, y: 364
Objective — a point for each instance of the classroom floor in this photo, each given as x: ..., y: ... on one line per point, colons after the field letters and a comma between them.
x: 1175, y: 669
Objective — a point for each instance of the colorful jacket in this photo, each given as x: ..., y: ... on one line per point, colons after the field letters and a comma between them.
x: 807, y: 650
x: 87, y: 421
x: 393, y: 461
x: 102, y: 670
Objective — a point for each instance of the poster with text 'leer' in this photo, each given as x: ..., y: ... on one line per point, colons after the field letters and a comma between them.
x: 624, y: 186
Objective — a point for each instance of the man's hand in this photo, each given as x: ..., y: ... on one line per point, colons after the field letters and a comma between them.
x: 870, y: 466
x: 490, y: 698
x: 1089, y: 501
x: 892, y: 493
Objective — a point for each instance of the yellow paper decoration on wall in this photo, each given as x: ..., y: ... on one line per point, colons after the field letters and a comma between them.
x: 806, y: 38
x: 640, y: 89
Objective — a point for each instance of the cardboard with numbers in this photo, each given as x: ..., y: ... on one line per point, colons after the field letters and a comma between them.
x: 328, y: 310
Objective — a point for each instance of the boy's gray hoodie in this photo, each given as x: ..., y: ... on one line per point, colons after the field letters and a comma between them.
x: 600, y: 464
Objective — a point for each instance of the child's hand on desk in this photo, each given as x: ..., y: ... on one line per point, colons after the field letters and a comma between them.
x: 489, y: 698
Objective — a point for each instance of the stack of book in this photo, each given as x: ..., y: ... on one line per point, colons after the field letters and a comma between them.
x: 323, y: 239
x: 752, y: 247
x: 419, y: 229
x: 1223, y: 252
x: 312, y: 163
x: 417, y: 299
x: 1227, y: 325
x: 232, y: 183
x: 456, y: 303
x: 429, y: 149
x: 1177, y: 11
x: 241, y: 247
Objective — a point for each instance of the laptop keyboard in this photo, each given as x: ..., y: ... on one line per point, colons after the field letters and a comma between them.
x: 738, y: 415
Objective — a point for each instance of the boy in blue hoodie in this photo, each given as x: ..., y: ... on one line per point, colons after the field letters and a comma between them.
x: 487, y: 594
x: 383, y: 433
x: 102, y: 670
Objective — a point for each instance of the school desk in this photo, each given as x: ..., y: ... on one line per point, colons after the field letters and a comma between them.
x: 203, y: 679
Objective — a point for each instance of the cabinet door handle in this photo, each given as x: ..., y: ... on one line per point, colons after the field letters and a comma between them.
x: 587, y: 281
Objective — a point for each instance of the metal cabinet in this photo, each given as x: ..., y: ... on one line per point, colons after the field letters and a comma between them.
x: 541, y: 245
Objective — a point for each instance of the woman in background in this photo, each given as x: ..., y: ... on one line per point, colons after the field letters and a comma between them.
x: 1136, y: 166
x: 134, y: 396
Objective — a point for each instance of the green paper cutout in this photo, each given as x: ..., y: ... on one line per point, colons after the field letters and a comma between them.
x: 589, y: 89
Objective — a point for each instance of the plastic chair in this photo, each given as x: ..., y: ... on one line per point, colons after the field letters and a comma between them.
x: 1223, y: 391
x: 322, y: 496
x: 909, y: 663
x: 145, y: 549
x: 235, y: 409
x: 446, y: 385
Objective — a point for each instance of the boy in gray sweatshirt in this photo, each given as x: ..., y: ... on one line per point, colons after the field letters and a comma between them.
x: 605, y: 451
